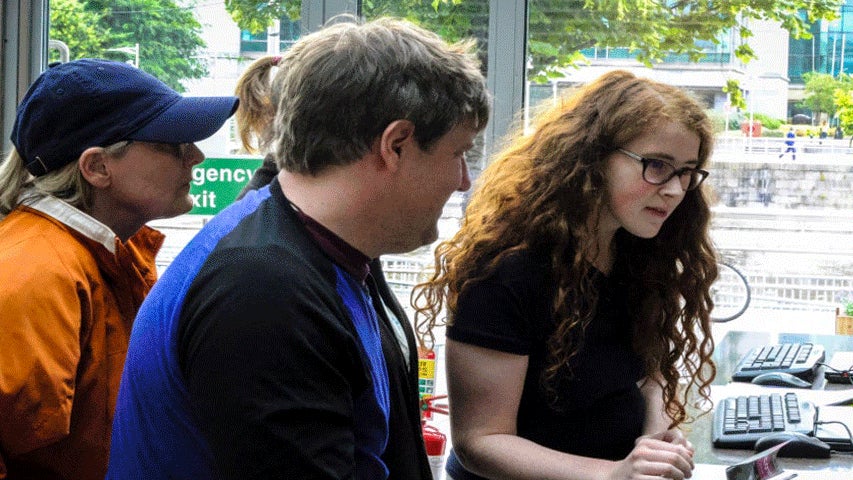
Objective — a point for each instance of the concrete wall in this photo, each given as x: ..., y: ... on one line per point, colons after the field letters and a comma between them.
x: 783, y: 184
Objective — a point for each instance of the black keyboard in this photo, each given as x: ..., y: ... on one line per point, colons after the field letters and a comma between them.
x: 799, y: 359
x: 740, y: 421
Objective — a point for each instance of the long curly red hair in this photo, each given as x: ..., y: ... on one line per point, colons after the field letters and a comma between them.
x: 546, y: 189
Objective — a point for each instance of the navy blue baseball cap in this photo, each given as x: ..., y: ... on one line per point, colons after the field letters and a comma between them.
x: 94, y: 103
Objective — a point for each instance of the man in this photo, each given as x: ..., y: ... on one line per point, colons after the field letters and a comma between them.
x: 258, y: 354
x: 406, y: 454
x: 100, y: 148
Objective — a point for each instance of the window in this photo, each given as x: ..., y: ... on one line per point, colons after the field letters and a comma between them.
x: 776, y: 220
x: 787, y: 224
x: 256, y: 44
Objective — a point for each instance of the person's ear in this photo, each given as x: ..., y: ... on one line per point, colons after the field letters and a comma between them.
x: 95, y: 168
x: 397, y: 136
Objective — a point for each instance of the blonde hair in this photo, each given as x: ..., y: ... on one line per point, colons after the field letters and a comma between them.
x: 255, y: 112
x: 66, y: 183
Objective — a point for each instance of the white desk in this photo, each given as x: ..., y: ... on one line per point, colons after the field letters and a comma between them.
x: 718, y: 472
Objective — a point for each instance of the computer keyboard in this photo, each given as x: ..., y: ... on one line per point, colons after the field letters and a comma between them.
x: 799, y: 359
x: 740, y: 421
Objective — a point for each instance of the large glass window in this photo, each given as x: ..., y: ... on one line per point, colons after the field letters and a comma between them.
x: 785, y: 223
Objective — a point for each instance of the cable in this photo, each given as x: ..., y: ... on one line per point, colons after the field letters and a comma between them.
x: 848, y: 374
x: 834, y: 422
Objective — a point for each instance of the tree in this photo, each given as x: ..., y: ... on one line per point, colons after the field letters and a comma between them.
x: 843, y: 99
x: 81, y: 30
x: 256, y: 16
x: 819, y: 93
x: 560, y: 29
x: 168, y: 34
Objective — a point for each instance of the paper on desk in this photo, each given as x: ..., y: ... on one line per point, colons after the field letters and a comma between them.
x: 761, y: 466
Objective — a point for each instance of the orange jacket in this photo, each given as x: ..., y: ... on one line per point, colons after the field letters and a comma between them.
x: 69, y: 291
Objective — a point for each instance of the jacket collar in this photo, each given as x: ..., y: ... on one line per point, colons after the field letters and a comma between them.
x: 71, y: 216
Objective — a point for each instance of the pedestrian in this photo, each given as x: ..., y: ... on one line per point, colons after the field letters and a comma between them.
x: 100, y: 148
x: 258, y: 354
x: 577, y: 291
x: 764, y: 185
x: 790, y: 137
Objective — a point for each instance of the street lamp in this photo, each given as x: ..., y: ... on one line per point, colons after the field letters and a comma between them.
x: 134, y: 50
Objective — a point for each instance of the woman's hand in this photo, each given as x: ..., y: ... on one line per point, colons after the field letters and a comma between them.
x: 674, y: 436
x: 666, y: 454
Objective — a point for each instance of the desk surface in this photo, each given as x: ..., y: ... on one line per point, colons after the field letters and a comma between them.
x: 718, y: 472
x: 727, y: 354
x: 734, y: 345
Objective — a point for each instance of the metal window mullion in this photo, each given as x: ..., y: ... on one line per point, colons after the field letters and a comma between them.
x: 315, y: 13
x: 23, y: 55
x: 507, y: 72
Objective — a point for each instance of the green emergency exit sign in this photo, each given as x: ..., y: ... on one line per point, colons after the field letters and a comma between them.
x: 217, y: 182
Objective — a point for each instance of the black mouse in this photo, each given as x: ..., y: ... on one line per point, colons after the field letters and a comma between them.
x: 800, y: 445
x: 780, y: 379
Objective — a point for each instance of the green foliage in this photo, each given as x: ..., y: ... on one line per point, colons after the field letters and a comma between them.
x: 81, y: 30
x: 846, y: 300
x: 819, y: 93
x: 560, y: 29
x: 718, y: 120
x: 256, y: 16
x: 844, y: 108
x: 768, y: 121
x: 169, y: 37
x: 168, y: 34
x: 736, y: 98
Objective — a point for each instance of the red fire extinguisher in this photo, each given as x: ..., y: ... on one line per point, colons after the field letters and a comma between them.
x: 435, y: 442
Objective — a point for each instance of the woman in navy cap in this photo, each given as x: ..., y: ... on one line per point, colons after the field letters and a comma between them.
x: 100, y: 149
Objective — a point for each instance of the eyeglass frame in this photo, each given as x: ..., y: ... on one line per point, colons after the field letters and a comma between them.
x: 177, y: 150
x: 679, y: 172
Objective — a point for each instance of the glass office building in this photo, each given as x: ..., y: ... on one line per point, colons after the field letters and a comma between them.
x: 830, y: 50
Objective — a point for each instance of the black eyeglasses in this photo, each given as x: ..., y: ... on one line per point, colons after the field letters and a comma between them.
x: 658, y: 172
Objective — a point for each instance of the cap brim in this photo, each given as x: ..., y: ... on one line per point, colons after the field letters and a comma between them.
x: 189, y: 120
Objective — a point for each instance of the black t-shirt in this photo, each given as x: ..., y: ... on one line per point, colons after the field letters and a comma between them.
x: 601, y: 410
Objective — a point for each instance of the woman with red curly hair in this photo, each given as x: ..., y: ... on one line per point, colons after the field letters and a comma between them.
x: 577, y: 292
